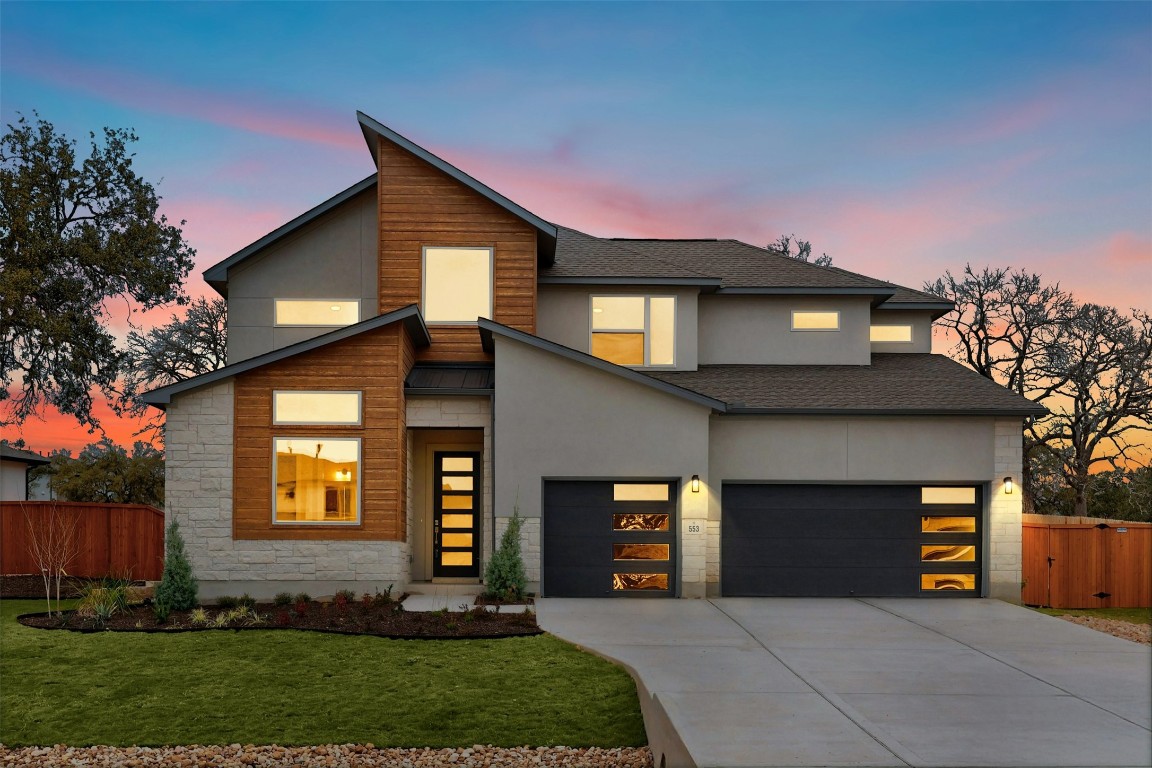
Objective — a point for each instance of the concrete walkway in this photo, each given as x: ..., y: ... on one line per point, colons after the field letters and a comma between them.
x: 880, y: 682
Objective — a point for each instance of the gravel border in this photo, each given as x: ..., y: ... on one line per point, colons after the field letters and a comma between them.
x: 1125, y: 630
x: 328, y: 756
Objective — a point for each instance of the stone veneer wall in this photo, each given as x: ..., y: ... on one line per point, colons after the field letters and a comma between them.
x: 198, y: 482
x: 457, y: 412
x: 1005, y: 533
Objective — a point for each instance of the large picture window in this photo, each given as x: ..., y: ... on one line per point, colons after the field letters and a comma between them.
x: 317, y: 312
x: 316, y: 480
x: 634, y: 330
x: 457, y: 285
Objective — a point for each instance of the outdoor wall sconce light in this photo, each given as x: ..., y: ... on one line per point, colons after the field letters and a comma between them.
x: 1008, y: 485
x: 695, y: 483
x: 344, y: 476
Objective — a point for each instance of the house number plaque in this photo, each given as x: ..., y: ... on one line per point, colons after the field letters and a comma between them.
x: 695, y: 528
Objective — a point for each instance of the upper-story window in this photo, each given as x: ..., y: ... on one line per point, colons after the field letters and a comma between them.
x: 457, y: 285
x: 314, y: 312
x: 806, y: 320
x: 310, y: 407
x: 634, y: 330
x: 899, y: 334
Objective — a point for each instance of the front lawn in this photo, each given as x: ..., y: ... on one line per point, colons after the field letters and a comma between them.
x: 297, y: 688
x: 1133, y: 615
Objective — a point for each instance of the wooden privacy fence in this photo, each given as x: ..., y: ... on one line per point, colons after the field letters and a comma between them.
x: 112, y: 539
x: 1087, y: 563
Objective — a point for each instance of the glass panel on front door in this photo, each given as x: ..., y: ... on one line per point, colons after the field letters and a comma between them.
x: 456, y: 515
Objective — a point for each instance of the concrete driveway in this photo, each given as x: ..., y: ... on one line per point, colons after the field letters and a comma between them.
x: 870, y: 682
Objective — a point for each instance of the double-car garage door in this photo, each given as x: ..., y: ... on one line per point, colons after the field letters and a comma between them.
x: 603, y: 538
x: 850, y: 540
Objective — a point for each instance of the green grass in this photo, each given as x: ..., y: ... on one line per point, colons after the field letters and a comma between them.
x: 1134, y: 615
x: 297, y: 688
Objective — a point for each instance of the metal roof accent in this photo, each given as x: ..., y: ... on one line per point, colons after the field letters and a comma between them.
x: 489, y: 329
x: 450, y: 379
x: 409, y: 315
x: 217, y: 274
x: 372, y: 127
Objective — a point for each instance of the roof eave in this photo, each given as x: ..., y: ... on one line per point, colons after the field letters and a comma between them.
x: 703, y: 282
x: 879, y: 296
x: 489, y: 330
x: 409, y: 315
x: 217, y: 274
x: 374, y: 129
x: 742, y: 410
x: 937, y: 308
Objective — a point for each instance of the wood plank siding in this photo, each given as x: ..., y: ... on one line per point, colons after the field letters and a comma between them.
x: 421, y: 206
x: 375, y: 363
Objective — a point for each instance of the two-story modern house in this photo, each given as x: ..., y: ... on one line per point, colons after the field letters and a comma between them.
x: 418, y: 356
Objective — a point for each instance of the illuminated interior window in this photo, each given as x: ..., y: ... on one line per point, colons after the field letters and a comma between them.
x: 933, y: 524
x: 639, y: 522
x: 891, y: 333
x: 457, y: 284
x: 944, y: 582
x: 930, y: 495
x: 634, y: 330
x: 640, y: 551
x: 639, y: 492
x: 803, y: 320
x: 626, y: 582
x: 315, y: 407
x: 455, y: 558
x: 456, y: 520
x: 947, y: 553
x: 317, y: 480
x: 334, y: 312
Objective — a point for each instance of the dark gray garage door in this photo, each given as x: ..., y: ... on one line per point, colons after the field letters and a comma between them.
x: 603, y: 539
x: 850, y: 540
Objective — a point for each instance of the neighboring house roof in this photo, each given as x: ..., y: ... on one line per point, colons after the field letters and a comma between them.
x: 489, y: 329
x: 8, y: 453
x: 373, y: 128
x: 583, y: 258
x: 894, y: 384
x: 217, y: 274
x: 451, y: 379
x: 409, y: 315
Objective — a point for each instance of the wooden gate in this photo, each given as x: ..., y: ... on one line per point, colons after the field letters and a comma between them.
x: 1087, y: 564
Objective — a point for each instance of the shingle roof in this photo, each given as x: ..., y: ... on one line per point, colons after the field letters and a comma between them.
x: 892, y: 384
x: 19, y: 454
x: 582, y: 255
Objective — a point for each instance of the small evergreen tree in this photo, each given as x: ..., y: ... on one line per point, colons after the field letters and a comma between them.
x: 177, y: 590
x: 504, y: 576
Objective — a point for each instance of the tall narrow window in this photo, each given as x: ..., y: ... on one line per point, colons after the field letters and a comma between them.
x: 317, y: 312
x: 457, y: 285
x: 634, y: 330
x: 316, y: 480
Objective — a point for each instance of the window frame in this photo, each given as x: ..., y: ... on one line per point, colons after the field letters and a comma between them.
x: 359, y: 407
x: 276, y: 315
x: 359, y: 482
x: 491, y: 249
x: 909, y: 326
x: 646, y: 331
x: 792, y: 320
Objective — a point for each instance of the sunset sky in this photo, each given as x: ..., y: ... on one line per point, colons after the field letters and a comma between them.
x: 902, y: 139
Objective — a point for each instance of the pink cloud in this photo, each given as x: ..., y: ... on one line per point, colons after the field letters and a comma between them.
x: 1127, y: 249
x: 245, y: 111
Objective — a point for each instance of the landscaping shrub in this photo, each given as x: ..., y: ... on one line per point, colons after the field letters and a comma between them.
x: 302, y: 597
x: 504, y: 577
x: 227, y: 602
x: 177, y: 590
x: 246, y: 601
x: 282, y: 599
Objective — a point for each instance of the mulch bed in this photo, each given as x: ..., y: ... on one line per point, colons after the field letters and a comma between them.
x: 32, y: 587
x: 362, y: 617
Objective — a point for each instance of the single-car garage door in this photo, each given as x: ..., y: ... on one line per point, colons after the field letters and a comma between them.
x: 850, y: 540
x: 604, y: 539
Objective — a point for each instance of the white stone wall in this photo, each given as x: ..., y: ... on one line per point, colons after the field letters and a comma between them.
x: 458, y: 412
x: 198, y: 482
x: 1005, y: 533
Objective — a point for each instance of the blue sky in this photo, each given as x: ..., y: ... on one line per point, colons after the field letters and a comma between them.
x: 903, y: 139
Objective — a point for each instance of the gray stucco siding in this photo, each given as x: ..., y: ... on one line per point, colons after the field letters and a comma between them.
x: 334, y: 257
x: 563, y: 316
x: 556, y: 418
x: 921, y: 322
x: 757, y: 330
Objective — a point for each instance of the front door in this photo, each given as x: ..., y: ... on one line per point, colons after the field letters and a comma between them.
x: 456, y: 515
